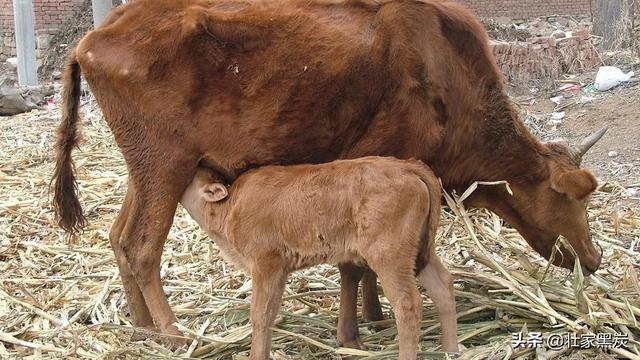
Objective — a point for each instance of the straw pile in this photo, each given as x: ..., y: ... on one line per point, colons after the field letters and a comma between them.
x: 545, y: 57
x: 61, y: 300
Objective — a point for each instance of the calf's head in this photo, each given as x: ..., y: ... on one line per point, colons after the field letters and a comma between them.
x: 551, y: 204
x: 205, y: 188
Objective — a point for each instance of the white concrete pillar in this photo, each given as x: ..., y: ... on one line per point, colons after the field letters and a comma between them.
x: 100, y: 10
x: 25, y: 42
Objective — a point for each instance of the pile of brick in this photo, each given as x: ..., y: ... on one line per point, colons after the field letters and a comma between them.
x: 546, y: 57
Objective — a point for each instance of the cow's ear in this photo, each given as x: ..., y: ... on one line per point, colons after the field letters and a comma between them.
x: 235, y: 27
x: 214, y: 192
x: 577, y: 184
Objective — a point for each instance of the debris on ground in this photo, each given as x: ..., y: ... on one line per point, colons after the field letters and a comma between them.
x: 16, y: 99
x: 587, y: 110
x: 609, y: 77
x: 508, y: 29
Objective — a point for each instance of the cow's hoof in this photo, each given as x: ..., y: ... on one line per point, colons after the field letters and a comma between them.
x: 377, y: 328
x: 351, y: 343
x: 374, y: 316
x: 377, y: 325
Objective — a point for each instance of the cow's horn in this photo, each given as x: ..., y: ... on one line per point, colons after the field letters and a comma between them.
x: 588, y: 142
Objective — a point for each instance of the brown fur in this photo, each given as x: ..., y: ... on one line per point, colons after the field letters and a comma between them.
x: 233, y: 85
x: 578, y: 184
x: 278, y: 219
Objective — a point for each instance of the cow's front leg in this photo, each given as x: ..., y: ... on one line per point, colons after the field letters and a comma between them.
x: 157, y: 191
x: 140, y: 315
x: 348, y: 335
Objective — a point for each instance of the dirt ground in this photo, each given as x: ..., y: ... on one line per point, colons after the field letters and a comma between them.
x: 620, y: 111
x: 614, y: 158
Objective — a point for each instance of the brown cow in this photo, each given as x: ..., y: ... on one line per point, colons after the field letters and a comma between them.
x: 230, y: 85
x: 278, y: 219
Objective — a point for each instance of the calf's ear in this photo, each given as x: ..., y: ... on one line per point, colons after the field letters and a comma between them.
x: 214, y: 192
x: 577, y: 184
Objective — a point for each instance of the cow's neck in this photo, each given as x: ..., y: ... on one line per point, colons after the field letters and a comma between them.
x: 489, y: 145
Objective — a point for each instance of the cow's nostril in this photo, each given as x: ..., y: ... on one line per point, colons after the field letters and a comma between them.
x: 593, y: 266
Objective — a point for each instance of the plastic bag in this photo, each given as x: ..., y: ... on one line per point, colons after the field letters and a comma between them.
x: 609, y: 77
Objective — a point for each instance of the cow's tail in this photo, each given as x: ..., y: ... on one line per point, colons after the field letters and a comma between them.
x: 432, y: 217
x: 65, y: 199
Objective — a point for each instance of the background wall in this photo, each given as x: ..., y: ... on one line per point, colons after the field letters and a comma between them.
x: 51, y: 14
x: 527, y: 8
x: 49, y: 17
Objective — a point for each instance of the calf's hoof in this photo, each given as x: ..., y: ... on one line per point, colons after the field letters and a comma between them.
x: 174, y: 339
x: 459, y: 349
x: 144, y: 333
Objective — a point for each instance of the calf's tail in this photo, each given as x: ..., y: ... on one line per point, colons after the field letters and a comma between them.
x: 65, y: 199
x: 432, y: 217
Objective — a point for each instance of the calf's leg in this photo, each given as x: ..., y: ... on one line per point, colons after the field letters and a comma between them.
x: 399, y: 285
x: 348, y: 336
x: 268, y: 279
x: 140, y: 315
x: 438, y: 282
x: 395, y: 267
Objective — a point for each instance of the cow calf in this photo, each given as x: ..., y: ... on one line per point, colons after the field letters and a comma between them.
x: 382, y: 212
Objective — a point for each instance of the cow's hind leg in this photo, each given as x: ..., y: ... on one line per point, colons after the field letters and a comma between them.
x: 438, y: 282
x: 371, y: 309
x: 140, y: 315
x: 268, y: 278
x: 348, y: 335
x: 158, y: 188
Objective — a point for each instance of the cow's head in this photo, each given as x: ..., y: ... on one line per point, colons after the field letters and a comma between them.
x: 544, y: 207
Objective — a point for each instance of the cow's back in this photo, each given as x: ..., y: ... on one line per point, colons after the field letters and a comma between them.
x: 289, y: 83
x: 244, y: 84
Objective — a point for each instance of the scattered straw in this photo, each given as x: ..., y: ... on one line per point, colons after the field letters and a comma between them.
x: 62, y: 301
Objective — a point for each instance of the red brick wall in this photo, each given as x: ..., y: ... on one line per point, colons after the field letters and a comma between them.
x: 51, y: 14
x: 6, y: 29
x: 527, y: 8
x: 49, y: 17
